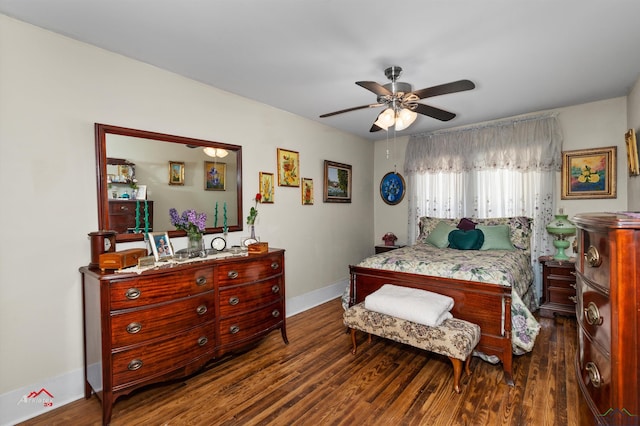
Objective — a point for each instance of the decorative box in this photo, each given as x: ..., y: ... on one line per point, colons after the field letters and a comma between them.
x: 257, y: 248
x: 121, y: 259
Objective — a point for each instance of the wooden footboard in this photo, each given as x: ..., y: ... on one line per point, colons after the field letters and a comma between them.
x: 488, y: 305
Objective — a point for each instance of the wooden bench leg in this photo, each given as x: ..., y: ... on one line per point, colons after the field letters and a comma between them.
x: 457, y: 373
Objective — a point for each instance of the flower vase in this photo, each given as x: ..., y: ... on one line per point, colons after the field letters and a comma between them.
x: 195, y: 245
x: 253, y: 231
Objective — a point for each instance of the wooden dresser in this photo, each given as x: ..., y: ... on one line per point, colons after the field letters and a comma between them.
x: 122, y: 214
x: 169, y: 322
x: 608, y: 291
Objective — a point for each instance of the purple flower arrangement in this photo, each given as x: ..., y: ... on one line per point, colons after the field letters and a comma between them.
x: 192, y: 222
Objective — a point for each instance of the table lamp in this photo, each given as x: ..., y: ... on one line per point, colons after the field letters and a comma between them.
x: 561, y: 228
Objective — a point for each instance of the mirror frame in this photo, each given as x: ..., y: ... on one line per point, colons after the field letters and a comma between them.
x: 101, y: 132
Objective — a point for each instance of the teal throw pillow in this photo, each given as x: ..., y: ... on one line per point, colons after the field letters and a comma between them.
x: 496, y: 237
x: 466, y: 240
x: 439, y: 237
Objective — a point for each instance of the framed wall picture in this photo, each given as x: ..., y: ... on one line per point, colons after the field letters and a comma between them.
x: 176, y: 173
x: 337, y: 182
x: 392, y: 188
x: 307, y: 192
x: 288, y: 167
x: 632, y: 152
x: 214, y: 176
x: 266, y: 187
x: 160, y: 245
x: 589, y: 173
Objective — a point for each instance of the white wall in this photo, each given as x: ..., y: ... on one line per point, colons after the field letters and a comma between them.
x: 53, y: 89
x: 592, y: 125
x: 633, y: 122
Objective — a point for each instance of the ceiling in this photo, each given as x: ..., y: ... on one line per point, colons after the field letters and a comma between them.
x: 305, y: 56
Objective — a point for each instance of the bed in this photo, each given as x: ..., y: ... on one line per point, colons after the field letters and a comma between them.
x: 491, y: 287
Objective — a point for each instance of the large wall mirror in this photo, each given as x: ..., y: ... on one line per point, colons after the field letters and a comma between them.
x: 173, y: 172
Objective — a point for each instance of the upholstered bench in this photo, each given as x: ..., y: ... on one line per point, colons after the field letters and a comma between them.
x: 454, y: 338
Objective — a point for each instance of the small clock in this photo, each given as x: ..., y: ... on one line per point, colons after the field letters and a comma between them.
x: 249, y: 241
x: 218, y: 243
x: 101, y: 242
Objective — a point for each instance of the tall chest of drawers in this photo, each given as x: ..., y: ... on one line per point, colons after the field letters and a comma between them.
x: 608, y: 296
x: 169, y: 322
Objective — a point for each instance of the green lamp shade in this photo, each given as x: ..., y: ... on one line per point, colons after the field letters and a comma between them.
x: 561, y: 228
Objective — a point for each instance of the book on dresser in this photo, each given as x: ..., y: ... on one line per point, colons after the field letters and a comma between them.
x: 608, y: 300
x: 167, y: 323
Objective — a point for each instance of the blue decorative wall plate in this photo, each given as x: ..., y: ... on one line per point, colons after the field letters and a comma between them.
x: 392, y: 188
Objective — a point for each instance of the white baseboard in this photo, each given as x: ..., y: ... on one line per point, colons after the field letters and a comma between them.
x: 30, y: 401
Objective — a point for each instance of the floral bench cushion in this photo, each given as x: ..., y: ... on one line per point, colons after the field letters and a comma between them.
x: 453, y: 338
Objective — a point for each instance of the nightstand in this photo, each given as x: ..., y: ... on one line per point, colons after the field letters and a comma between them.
x: 558, y: 287
x: 382, y: 248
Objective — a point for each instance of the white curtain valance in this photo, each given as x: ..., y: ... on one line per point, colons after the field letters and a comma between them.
x: 528, y: 143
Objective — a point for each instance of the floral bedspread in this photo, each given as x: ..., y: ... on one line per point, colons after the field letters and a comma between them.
x: 509, y: 268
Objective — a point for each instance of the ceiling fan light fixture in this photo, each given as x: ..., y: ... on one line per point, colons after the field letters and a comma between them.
x: 405, y: 118
x: 215, y: 152
x: 386, y: 119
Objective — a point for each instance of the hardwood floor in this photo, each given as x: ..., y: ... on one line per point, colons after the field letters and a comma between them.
x: 316, y: 381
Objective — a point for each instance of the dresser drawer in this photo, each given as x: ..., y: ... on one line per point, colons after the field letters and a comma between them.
x: 562, y: 295
x: 162, y: 356
x: 244, y: 327
x: 248, y: 297
x: 596, y: 258
x: 595, y: 364
x: 251, y: 270
x: 129, y: 327
x: 159, y: 288
x: 594, y: 314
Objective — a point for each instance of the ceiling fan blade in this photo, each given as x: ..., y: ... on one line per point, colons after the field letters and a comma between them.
x: 376, y: 88
x: 350, y: 109
x: 434, y: 112
x: 443, y: 89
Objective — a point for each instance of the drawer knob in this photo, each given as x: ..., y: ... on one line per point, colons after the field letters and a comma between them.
x: 234, y: 329
x: 275, y: 313
x: 234, y: 301
x: 275, y: 288
x: 201, y: 310
x: 232, y: 274
x: 134, y: 327
x: 202, y: 341
x: 592, y: 314
x: 574, y: 299
x: 133, y: 293
x: 592, y: 256
x: 201, y: 280
x: 275, y: 265
x: 134, y: 364
x: 594, y: 374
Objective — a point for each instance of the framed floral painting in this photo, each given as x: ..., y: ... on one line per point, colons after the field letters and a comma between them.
x: 214, y: 176
x: 589, y: 173
x: 288, y: 167
x: 266, y: 187
x: 307, y: 192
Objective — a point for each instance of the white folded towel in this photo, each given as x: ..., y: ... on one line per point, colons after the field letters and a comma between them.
x: 411, y: 304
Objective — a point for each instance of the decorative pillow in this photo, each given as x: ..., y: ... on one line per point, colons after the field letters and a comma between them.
x: 496, y: 237
x: 439, y: 237
x: 466, y: 240
x: 519, y: 229
x: 466, y: 224
x: 427, y: 224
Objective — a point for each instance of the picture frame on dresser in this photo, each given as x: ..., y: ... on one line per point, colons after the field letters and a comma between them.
x: 161, y: 245
x: 589, y: 173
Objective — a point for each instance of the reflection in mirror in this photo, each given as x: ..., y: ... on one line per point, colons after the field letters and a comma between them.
x: 141, y: 175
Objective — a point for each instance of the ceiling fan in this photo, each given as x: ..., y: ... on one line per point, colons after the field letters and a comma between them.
x: 401, y: 101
